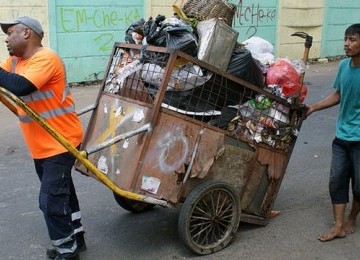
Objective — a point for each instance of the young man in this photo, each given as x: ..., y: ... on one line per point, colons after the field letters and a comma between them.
x: 37, y: 75
x: 345, y: 165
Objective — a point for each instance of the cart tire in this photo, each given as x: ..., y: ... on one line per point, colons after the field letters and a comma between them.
x: 133, y: 206
x: 209, y: 217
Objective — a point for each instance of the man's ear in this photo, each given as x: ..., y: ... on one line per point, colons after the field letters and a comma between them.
x: 27, y: 33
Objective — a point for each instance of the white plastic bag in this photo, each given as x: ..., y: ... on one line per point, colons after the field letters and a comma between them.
x: 260, y: 49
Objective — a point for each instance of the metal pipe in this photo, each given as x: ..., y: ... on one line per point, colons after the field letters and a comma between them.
x: 86, y: 109
x: 118, y: 138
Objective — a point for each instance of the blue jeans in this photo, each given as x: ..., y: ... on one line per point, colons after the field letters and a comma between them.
x: 345, y: 167
x: 58, y: 201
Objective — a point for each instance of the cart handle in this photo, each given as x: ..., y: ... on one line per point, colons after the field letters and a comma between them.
x: 8, y: 104
x: 80, y: 155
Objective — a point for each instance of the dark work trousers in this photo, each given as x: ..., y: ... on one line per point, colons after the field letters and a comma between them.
x: 58, y: 201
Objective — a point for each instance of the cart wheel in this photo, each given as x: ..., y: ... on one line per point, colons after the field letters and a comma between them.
x: 132, y: 205
x: 209, y: 217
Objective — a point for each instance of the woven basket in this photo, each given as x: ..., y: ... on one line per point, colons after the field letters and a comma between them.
x: 208, y: 9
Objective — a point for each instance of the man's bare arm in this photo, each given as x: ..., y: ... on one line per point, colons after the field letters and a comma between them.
x: 330, y: 101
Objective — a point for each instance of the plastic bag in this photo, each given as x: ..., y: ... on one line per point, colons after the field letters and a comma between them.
x: 188, y: 77
x: 134, y: 28
x: 180, y: 38
x: 244, y: 66
x: 299, y: 65
x: 261, y: 49
x: 258, y: 45
x: 182, y: 79
x: 285, y: 75
x: 154, y: 35
x: 152, y: 74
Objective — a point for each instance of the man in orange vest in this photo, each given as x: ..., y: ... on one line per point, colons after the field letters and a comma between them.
x: 37, y: 75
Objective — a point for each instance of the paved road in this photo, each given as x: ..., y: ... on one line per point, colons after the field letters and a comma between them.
x: 113, y: 233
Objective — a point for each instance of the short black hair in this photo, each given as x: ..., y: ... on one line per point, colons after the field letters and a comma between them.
x: 353, y: 29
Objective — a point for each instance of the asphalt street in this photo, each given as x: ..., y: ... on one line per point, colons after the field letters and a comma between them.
x: 113, y: 233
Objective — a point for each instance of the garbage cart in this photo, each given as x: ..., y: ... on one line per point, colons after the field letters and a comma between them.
x: 170, y: 130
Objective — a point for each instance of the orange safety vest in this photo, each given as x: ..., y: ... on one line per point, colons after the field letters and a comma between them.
x: 52, y: 100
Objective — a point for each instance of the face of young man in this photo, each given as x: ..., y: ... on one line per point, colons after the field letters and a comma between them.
x: 352, y: 45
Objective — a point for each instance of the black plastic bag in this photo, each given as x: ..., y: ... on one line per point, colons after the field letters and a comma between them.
x: 156, y: 37
x: 198, y: 99
x: 180, y: 38
x: 244, y: 66
x: 137, y: 27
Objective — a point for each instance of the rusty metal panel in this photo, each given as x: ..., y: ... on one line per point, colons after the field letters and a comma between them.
x: 255, y: 190
x: 173, y: 144
x: 112, y: 117
x: 234, y: 166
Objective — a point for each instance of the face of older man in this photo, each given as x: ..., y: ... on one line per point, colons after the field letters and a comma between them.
x: 17, y: 39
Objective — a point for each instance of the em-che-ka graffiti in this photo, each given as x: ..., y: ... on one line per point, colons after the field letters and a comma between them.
x: 105, y: 20
x: 253, y: 15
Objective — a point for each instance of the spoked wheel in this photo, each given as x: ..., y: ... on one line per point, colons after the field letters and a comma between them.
x: 132, y: 205
x: 209, y: 217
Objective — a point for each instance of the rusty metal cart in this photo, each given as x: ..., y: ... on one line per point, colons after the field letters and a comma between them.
x: 167, y: 129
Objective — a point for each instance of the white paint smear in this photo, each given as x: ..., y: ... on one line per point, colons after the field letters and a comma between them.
x: 102, y: 166
x: 126, y: 144
x: 105, y: 109
x: 119, y: 111
x: 167, y: 148
x: 138, y: 116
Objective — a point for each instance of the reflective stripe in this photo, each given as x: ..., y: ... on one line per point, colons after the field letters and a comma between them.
x: 49, y: 114
x: 62, y: 250
x: 76, y: 215
x: 59, y: 242
x: 65, y: 93
x: 38, y: 95
x: 78, y: 230
x: 65, y: 250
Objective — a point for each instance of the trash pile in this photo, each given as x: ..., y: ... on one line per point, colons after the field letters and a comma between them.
x: 263, y: 121
x: 208, y: 36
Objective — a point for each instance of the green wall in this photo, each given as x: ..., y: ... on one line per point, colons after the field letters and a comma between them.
x: 256, y: 18
x: 83, y: 33
x: 338, y: 16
